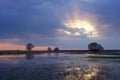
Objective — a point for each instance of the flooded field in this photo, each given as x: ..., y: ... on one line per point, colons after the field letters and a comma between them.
x: 60, y: 66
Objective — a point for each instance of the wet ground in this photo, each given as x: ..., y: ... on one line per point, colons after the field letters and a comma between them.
x: 54, y: 66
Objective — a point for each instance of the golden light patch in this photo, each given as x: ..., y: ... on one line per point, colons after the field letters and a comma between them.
x: 77, y: 27
x: 78, y: 23
x: 65, y: 31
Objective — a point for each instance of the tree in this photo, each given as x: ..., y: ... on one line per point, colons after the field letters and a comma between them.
x: 49, y: 49
x: 95, y: 47
x: 56, y: 49
x: 29, y: 46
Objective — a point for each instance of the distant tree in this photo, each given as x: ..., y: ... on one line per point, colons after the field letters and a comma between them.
x: 29, y: 46
x: 49, y: 49
x: 56, y: 49
x: 95, y: 47
x: 92, y: 46
x: 100, y: 47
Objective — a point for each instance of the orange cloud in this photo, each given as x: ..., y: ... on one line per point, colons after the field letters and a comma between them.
x: 11, y: 46
x: 41, y: 47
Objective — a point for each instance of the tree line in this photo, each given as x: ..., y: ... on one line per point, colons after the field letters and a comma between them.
x: 91, y: 47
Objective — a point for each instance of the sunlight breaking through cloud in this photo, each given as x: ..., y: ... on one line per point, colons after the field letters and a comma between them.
x: 77, y: 27
x: 76, y: 24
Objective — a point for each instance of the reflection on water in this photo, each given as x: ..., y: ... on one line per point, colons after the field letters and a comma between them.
x: 29, y: 56
x: 93, y: 72
x: 64, y: 67
x: 84, y: 73
x: 53, y: 54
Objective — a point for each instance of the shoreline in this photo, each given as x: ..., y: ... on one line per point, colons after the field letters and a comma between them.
x: 17, y: 52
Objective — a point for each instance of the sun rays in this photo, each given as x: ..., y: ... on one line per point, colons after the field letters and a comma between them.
x: 76, y: 24
x: 78, y: 27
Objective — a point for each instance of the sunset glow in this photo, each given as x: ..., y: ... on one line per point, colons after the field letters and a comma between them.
x: 11, y: 46
x: 59, y: 23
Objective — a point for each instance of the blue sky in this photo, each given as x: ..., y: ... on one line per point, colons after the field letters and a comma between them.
x: 63, y: 23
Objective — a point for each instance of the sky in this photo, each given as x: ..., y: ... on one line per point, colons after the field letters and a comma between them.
x: 68, y: 24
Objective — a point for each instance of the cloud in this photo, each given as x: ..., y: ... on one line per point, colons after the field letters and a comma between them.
x: 20, y: 18
x: 12, y: 46
x: 38, y: 21
x: 107, y: 14
x: 9, y: 46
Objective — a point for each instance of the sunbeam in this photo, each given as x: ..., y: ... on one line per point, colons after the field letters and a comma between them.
x: 76, y: 24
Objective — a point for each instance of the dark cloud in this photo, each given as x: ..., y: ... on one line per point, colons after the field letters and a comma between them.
x: 107, y: 13
x: 20, y: 17
x: 24, y: 19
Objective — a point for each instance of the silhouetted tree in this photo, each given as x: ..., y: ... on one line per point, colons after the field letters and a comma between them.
x: 56, y: 49
x: 29, y: 46
x: 95, y: 47
x: 49, y: 49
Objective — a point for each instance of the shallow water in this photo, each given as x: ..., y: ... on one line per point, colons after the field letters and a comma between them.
x: 60, y: 66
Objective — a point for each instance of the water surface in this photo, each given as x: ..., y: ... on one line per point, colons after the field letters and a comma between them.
x: 58, y: 66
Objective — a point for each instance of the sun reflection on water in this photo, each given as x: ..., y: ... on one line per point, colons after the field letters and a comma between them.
x: 81, y: 73
x: 64, y: 67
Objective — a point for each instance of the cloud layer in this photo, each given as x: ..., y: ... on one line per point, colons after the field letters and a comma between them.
x: 38, y: 21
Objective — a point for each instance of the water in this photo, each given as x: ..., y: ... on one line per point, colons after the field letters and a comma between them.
x: 60, y: 66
